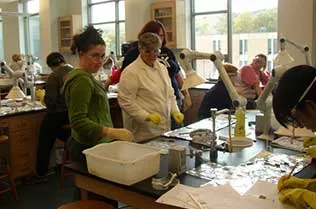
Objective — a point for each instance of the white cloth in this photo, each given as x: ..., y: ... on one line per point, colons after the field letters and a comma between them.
x: 144, y: 90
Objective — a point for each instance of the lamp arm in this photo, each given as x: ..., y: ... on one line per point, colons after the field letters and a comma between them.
x: 303, y: 48
x: 276, y: 75
x: 7, y: 68
x: 238, y: 101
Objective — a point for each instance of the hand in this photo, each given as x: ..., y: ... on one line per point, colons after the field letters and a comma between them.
x: 309, y: 141
x: 187, y: 103
x: 293, y: 182
x: 155, y: 118
x: 178, y: 117
x: 300, y: 198
x: 119, y: 133
x: 311, y: 151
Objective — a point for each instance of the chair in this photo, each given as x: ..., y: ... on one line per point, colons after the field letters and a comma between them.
x: 5, y: 168
x: 87, y: 204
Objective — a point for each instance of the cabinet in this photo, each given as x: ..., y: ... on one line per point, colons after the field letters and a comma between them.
x: 23, y: 133
x: 68, y: 26
x: 171, y: 13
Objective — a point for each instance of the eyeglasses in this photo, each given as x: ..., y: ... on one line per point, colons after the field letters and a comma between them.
x: 293, y: 111
x: 152, y: 51
x: 97, y: 57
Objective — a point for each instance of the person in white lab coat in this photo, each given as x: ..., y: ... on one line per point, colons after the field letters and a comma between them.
x: 145, y: 93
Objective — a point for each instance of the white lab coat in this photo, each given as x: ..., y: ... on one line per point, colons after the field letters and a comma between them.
x: 143, y: 91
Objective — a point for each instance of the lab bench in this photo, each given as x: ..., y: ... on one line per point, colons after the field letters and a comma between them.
x: 22, y: 125
x: 142, y: 195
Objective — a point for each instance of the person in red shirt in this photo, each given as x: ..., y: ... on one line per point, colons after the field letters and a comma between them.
x: 254, y: 75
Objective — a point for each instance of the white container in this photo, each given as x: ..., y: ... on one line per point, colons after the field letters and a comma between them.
x: 123, y: 162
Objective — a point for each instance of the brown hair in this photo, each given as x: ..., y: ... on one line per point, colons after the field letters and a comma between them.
x: 289, y: 90
x: 90, y: 36
x: 154, y: 26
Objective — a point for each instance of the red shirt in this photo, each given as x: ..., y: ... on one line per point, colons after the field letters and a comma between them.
x: 251, y: 77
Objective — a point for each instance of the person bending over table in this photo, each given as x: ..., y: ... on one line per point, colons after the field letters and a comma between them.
x: 294, y: 103
x: 145, y: 93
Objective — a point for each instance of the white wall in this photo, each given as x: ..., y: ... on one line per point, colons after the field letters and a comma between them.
x: 137, y: 14
x: 13, y: 37
x: 296, y: 22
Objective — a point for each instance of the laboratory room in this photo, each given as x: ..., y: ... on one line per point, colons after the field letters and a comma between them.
x: 145, y: 104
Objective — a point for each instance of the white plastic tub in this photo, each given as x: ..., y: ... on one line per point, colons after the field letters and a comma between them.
x: 123, y: 162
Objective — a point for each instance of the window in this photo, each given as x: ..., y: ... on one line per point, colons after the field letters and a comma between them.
x: 109, y: 15
x: 1, y: 41
x: 33, y: 30
x: 242, y: 26
x: 243, y: 47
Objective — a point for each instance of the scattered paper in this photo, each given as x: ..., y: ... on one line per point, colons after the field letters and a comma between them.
x: 299, y: 132
x: 223, y: 197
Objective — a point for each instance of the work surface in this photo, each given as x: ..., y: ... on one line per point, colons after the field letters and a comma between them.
x: 143, y: 190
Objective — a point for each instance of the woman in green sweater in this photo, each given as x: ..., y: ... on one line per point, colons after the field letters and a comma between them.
x: 86, y: 100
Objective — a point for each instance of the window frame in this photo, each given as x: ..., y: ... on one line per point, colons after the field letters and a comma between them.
x: 228, y: 12
x: 27, y: 26
x: 116, y: 22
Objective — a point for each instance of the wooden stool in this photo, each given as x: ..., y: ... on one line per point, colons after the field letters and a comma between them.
x: 87, y: 204
x: 5, y: 169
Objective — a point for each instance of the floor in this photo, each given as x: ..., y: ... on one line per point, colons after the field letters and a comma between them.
x: 41, y: 196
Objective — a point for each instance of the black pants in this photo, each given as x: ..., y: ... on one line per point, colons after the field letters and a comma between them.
x: 51, y: 128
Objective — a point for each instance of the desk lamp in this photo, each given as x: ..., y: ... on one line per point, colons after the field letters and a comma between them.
x: 192, y: 77
x: 282, y: 62
x: 15, y: 92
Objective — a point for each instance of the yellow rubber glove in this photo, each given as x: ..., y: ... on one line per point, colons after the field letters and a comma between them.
x: 300, y: 198
x: 294, y: 182
x: 155, y: 118
x: 178, y: 117
x: 309, y: 141
x: 118, y: 133
x: 311, y: 151
x: 40, y: 94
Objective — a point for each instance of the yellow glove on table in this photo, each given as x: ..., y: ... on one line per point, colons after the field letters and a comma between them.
x: 155, y: 118
x: 178, y: 117
x: 119, y: 133
x: 300, y: 198
x: 294, y: 182
x: 309, y: 141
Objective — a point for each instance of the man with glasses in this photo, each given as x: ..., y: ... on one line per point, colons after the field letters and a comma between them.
x: 252, y: 76
x: 294, y: 103
x: 145, y: 92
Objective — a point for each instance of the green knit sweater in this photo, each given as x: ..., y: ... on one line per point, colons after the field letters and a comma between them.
x: 88, y: 107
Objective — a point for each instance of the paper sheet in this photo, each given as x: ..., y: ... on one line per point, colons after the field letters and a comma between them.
x: 223, y: 197
x: 299, y: 132
x: 296, y: 144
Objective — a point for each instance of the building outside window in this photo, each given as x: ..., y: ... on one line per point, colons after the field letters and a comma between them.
x: 32, y: 7
x: 243, y: 27
x: 109, y: 15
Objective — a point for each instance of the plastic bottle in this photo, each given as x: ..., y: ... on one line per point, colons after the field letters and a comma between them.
x: 240, y: 122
